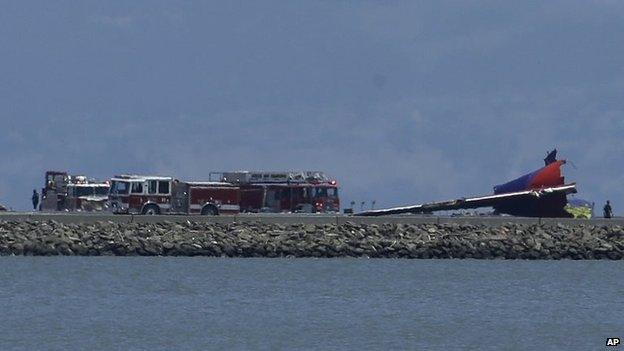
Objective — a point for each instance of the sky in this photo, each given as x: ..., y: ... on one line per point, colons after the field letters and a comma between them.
x: 401, y: 101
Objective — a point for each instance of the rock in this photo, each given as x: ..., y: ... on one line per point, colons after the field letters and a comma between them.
x: 510, y: 240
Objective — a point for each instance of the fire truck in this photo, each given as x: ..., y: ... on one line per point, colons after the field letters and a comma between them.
x: 302, y: 191
x: 154, y: 195
x: 72, y: 193
x: 225, y: 193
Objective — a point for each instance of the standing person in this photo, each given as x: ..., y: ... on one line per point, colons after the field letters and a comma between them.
x: 551, y: 157
x: 35, y: 199
x: 607, y: 211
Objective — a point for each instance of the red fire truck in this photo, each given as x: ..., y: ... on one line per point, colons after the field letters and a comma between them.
x: 230, y: 192
x: 64, y: 192
x: 159, y: 195
x: 306, y: 191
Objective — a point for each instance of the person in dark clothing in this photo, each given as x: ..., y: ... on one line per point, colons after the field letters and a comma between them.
x: 607, y: 211
x: 551, y: 157
x: 35, y: 199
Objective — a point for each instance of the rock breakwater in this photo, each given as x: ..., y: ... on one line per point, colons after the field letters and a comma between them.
x: 510, y: 240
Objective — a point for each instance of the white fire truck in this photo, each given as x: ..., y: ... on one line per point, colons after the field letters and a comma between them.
x: 225, y: 192
x: 72, y: 193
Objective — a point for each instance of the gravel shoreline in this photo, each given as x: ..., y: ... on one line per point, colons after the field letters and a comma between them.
x: 509, y: 240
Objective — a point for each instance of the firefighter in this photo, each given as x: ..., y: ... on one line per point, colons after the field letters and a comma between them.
x: 35, y: 199
x: 607, y: 211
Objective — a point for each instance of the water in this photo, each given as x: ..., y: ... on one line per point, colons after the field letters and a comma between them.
x: 113, y: 303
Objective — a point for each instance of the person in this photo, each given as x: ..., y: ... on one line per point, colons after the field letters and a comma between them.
x: 608, y: 212
x: 35, y: 199
x: 551, y: 157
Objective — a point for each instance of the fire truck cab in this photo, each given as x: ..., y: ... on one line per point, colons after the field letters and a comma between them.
x: 86, y: 196
x: 140, y: 194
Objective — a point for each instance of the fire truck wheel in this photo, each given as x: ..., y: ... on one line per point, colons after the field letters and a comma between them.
x: 209, y: 210
x: 151, y: 210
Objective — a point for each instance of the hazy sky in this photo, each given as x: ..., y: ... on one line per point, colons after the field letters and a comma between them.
x: 401, y: 101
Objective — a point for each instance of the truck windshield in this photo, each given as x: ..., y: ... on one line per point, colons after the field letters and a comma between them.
x: 83, y: 191
x: 325, y: 192
x: 119, y: 188
x: 101, y: 190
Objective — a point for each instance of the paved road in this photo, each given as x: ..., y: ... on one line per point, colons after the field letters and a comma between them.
x: 292, y: 218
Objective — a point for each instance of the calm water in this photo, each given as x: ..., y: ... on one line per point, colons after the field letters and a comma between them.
x: 111, y: 303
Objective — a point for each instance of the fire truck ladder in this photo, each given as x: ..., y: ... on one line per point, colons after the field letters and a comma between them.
x: 254, y: 177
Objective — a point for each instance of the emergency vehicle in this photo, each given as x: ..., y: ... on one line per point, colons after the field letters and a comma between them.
x: 154, y: 195
x: 294, y: 191
x: 225, y: 192
x: 73, y: 193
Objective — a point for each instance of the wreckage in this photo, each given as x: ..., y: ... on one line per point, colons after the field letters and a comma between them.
x: 542, y: 193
